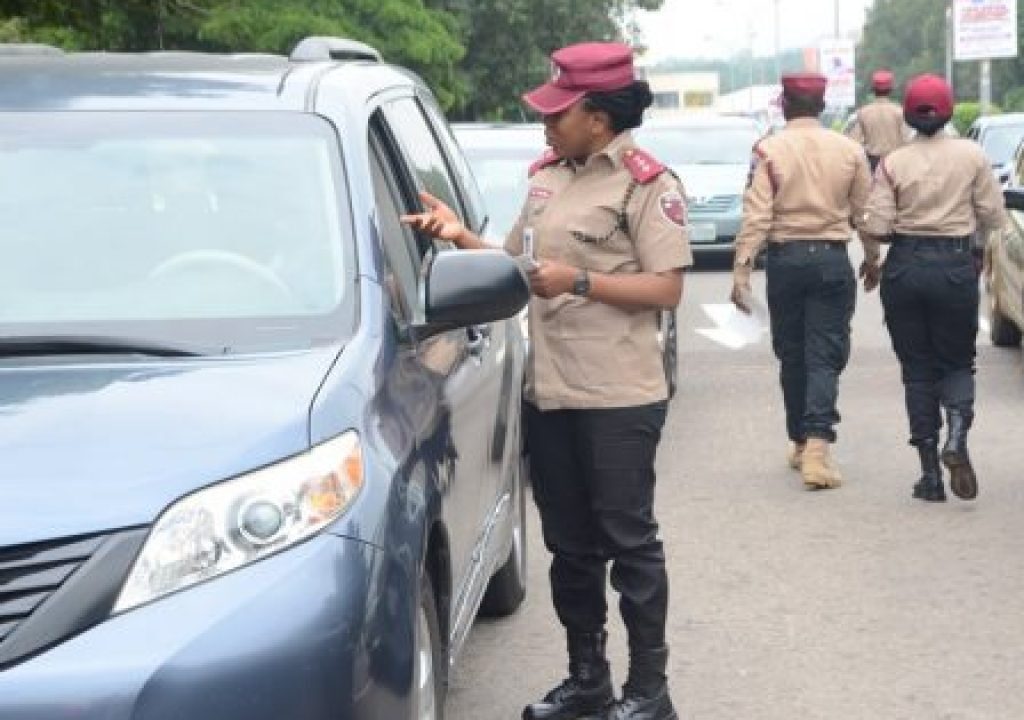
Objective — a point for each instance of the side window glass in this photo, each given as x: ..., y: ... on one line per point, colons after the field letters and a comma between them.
x: 475, y: 206
x: 419, y: 146
x: 402, y: 274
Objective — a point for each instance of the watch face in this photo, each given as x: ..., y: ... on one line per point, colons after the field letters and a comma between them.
x: 581, y: 286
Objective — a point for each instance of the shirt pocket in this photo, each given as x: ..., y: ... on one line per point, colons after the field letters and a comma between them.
x: 599, y: 242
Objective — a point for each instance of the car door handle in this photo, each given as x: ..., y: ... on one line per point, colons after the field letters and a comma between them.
x: 478, y: 338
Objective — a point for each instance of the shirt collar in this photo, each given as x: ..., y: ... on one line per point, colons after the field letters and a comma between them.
x: 803, y: 123
x: 615, y: 150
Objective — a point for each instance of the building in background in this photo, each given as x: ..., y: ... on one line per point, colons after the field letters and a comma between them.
x: 678, y: 93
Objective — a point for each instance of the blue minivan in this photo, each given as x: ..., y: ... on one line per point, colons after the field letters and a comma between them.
x: 259, y: 442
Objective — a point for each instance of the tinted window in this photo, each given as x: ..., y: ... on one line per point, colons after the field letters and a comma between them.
x: 403, y: 260
x: 178, y: 227
x: 475, y: 207
x: 420, y: 148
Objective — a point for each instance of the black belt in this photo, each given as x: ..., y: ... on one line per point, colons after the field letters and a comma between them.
x: 933, y: 242
x: 798, y: 245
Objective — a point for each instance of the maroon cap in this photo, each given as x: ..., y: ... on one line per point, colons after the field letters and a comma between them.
x: 929, y: 93
x: 579, y: 69
x: 881, y: 80
x: 804, y: 85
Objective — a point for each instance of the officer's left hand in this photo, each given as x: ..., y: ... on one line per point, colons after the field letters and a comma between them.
x: 551, y: 279
x: 871, y: 274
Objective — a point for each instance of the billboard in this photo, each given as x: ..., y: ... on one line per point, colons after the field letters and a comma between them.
x: 984, y: 29
x: 836, y: 62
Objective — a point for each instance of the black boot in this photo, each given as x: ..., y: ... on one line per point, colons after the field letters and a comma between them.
x: 587, y: 693
x: 645, y: 694
x: 963, y: 481
x: 929, y: 487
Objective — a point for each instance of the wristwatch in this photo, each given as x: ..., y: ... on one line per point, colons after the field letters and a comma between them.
x: 581, y: 285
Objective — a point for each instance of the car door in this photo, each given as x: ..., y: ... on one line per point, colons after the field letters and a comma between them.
x: 1010, y: 254
x: 504, y: 387
x: 473, y: 375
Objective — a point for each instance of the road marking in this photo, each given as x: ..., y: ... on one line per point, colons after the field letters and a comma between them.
x: 733, y: 329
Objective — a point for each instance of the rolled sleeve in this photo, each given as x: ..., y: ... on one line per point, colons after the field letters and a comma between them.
x: 659, y: 227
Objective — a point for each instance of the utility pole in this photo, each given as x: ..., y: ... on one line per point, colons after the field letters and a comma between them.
x: 950, y: 38
x: 836, y: 16
x: 778, y: 58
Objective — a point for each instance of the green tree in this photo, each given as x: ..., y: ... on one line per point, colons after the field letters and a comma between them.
x: 405, y: 31
x: 508, y: 43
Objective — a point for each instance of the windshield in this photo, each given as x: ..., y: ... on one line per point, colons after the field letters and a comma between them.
x: 699, y: 145
x: 1001, y: 142
x: 219, y: 230
x: 503, y: 176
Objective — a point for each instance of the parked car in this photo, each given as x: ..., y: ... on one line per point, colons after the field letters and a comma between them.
x: 998, y: 136
x: 261, y: 443
x: 711, y: 154
x: 500, y: 155
x: 1004, y: 265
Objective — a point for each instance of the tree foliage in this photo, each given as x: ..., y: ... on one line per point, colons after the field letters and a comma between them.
x: 909, y: 38
x: 477, y: 55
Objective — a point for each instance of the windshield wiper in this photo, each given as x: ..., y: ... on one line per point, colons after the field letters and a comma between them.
x: 33, y: 345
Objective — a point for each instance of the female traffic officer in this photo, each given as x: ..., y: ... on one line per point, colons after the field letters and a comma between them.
x: 929, y: 198
x: 607, y: 225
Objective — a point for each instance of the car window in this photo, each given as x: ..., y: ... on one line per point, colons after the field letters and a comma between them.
x: 698, y: 145
x: 476, y: 208
x: 999, y: 142
x: 174, y: 226
x: 409, y: 127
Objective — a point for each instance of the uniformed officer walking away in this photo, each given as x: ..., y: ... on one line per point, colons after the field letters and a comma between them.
x: 806, y: 185
x: 879, y: 126
x: 928, y: 199
x: 606, y: 222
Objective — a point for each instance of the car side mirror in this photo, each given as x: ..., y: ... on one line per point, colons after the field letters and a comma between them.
x: 471, y: 287
x: 1014, y: 198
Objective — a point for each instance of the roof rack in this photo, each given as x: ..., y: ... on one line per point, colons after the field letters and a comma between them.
x: 29, y: 49
x: 318, y: 48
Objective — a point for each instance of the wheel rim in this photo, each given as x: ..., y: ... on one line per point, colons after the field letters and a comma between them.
x: 426, y: 695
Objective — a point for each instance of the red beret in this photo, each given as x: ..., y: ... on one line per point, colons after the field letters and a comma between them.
x: 804, y: 84
x: 926, y: 93
x: 579, y: 69
x: 882, y: 80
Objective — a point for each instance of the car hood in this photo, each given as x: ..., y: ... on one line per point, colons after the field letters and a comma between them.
x: 93, y: 447
x: 708, y: 180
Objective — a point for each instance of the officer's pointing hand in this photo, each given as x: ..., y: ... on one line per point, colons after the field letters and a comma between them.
x: 438, y: 221
x: 551, y: 279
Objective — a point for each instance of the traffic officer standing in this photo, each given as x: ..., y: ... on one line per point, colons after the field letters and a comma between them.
x: 929, y: 198
x: 607, y: 224
x: 879, y: 125
x: 806, y: 185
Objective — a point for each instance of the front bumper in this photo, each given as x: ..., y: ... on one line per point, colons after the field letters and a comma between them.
x: 312, y: 633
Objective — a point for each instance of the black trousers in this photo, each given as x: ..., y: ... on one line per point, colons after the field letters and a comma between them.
x: 930, y: 296
x: 593, y: 481
x: 811, y: 296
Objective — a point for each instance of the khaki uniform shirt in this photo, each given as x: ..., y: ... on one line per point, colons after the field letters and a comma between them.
x: 586, y: 354
x: 937, y: 186
x: 879, y: 127
x: 806, y: 183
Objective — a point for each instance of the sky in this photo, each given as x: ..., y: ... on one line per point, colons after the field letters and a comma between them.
x: 718, y: 28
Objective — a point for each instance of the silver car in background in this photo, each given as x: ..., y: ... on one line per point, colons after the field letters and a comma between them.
x: 500, y: 155
x: 711, y: 154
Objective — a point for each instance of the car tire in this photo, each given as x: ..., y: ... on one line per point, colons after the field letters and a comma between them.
x: 507, y: 588
x: 1001, y: 329
x: 429, y: 674
x: 670, y: 350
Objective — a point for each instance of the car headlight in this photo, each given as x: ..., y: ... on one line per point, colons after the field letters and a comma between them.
x: 234, y: 523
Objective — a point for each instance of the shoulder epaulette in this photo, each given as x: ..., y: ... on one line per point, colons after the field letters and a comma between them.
x: 549, y: 158
x: 642, y: 165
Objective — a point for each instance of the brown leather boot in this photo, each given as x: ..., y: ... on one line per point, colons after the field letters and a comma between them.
x: 818, y: 469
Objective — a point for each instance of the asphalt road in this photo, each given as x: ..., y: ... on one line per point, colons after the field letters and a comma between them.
x: 859, y: 603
